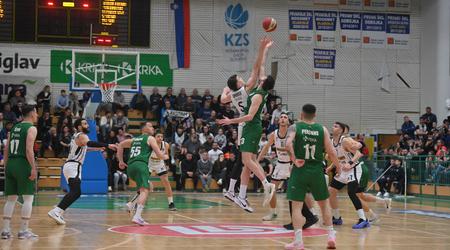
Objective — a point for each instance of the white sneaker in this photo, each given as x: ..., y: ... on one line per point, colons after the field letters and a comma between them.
x: 270, y: 217
x: 379, y: 194
x: 243, y: 203
x: 26, y: 235
x: 387, y: 203
x: 386, y: 195
x: 140, y: 221
x: 269, y: 192
x: 229, y: 195
x: 57, y: 217
x: 131, y: 208
x: 374, y: 219
x: 219, y: 182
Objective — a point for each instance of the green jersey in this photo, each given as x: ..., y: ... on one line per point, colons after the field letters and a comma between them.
x: 140, y: 150
x: 308, y: 142
x: 18, y: 139
x: 257, y: 118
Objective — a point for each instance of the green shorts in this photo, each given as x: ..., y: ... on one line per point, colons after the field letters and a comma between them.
x: 251, y: 135
x: 18, y: 171
x: 364, y: 180
x: 138, y: 172
x: 309, y: 178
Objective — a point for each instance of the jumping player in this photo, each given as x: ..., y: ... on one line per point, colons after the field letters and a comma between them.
x: 282, y: 169
x: 72, y: 167
x: 158, y: 165
x: 141, y: 148
x: 307, y: 142
x: 20, y: 172
x: 236, y: 92
x: 249, y: 144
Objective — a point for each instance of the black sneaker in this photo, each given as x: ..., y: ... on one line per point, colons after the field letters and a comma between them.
x: 172, y: 207
x: 288, y: 226
x: 310, y: 221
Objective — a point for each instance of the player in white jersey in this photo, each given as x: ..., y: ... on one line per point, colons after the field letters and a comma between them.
x: 348, y: 154
x: 79, y: 145
x: 158, y: 166
x: 236, y: 92
x: 282, y: 170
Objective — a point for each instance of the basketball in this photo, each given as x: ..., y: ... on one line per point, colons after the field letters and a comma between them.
x: 269, y: 24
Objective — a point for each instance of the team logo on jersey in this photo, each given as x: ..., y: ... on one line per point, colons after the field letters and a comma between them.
x: 215, y: 230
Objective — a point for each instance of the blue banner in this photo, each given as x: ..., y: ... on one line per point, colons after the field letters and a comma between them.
x: 324, y: 58
x: 350, y: 23
x: 397, y: 31
x: 373, y: 22
x: 301, y: 26
x: 325, y: 20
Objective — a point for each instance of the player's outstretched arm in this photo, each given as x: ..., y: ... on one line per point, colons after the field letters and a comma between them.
x: 251, y: 83
x: 31, y: 138
x: 266, y: 147
x: 262, y: 69
x: 256, y: 101
x: 124, y: 144
x: 154, y: 145
x: 225, y: 97
x: 329, y: 149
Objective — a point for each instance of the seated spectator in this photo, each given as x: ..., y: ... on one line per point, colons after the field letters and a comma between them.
x: 231, y: 162
x: 178, y: 139
x: 65, y: 119
x: 440, y: 149
x: 112, y: 137
x: 446, y: 139
x: 214, y: 153
x: 202, y: 137
x: 2, y: 120
x: 181, y: 99
x: 429, y: 118
x: 394, y: 174
x: 262, y: 142
x: 204, y: 170
x: 228, y: 112
x: 219, y: 171
x: 85, y: 98
x: 18, y: 111
x: 211, y: 122
x: 64, y: 140
x: 18, y: 97
x: 271, y: 106
x: 100, y: 136
x: 140, y: 102
x: 5, y: 131
x: 198, y: 125
x: 207, y: 97
x: 192, y: 144
x: 205, y: 112
x: 119, y: 103
x: 196, y: 99
x: 74, y: 104
x: 120, y: 174
x: 220, y: 138
x: 188, y: 170
x: 120, y: 121
x: 164, y: 116
x: 121, y: 135
x: 106, y: 123
x: 276, y: 113
x: 169, y: 96
x: 408, y: 127
x: 44, y: 124
x: 215, y: 105
x: 50, y: 141
x: 155, y: 102
x: 189, y: 106
x: 62, y: 102
x: 43, y: 99
x: 208, y: 145
x: 8, y: 114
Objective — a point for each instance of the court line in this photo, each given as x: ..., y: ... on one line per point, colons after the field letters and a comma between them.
x: 76, y: 232
x: 190, y: 218
x: 117, y: 244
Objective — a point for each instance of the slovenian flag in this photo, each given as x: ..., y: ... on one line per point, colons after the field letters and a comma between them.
x: 181, y: 23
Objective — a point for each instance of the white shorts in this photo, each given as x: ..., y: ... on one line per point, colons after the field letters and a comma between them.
x: 282, y: 171
x: 240, y: 128
x: 159, y: 167
x: 72, y: 170
x: 349, y: 176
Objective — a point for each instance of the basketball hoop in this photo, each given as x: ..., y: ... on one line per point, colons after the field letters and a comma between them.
x: 107, y: 89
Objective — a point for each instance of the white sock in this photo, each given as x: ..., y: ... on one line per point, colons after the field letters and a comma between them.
x: 298, y: 236
x: 361, y: 214
x: 265, y: 182
x: 273, y: 210
x: 58, y: 210
x: 232, y: 185
x: 336, y: 213
x: 139, y: 209
x: 331, y: 231
x: 313, y: 211
x: 170, y: 199
x: 379, y: 199
x: 243, y: 191
x: 27, y: 208
x: 8, y: 211
x: 372, y: 214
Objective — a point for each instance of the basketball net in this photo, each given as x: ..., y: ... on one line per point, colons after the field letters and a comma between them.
x: 107, y: 89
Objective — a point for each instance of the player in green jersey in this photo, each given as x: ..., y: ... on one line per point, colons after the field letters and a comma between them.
x: 20, y: 172
x: 249, y: 143
x: 307, y: 142
x: 141, y: 148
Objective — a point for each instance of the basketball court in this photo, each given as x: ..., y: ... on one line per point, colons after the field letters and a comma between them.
x: 208, y: 221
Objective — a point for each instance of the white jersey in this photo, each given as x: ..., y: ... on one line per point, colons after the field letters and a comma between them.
x: 345, y: 157
x: 342, y: 155
x: 76, y: 153
x: 154, y: 159
x: 280, y: 145
x: 239, y: 100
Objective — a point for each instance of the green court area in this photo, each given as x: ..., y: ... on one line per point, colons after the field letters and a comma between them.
x: 117, y: 201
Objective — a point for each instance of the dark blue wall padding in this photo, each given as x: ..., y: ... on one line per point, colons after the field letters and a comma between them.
x: 94, y: 174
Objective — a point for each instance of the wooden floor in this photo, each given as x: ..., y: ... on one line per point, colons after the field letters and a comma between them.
x: 91, y: 217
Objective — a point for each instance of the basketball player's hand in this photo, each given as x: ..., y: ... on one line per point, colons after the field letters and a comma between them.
x: 33, y: 174
x: 329, y: 169
x: 226, y: 90
x: 122, y: 165
x: 346, y: 167
x: 299, y: 163
x: 224, y: 121
x: 113, y: 147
